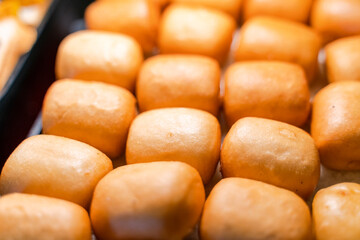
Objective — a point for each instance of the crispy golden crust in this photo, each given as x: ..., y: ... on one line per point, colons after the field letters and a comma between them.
x: 176, y: 134
x: 96, y: 113
x: 273, y: 152
x: 246, y: 209
x: 335, y: 125
x: 160, y: 200
x: 179, y: 81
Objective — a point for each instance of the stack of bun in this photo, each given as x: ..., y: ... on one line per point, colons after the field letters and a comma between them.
x: 219, y: 136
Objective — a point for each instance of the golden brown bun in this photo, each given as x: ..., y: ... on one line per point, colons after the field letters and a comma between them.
x: 96, y: 113
x: 296, y: 10
x: 231, y: 7
x: 31, y: 217
x: 136, y: 18
x: 55, y: 167
x: 267, y: 38
x: 176, y: 134
x: 335, y: 125
x: 273, y: 152
x: 343, y: 59
x: 336, y: 18
x: 267, y: 89
x: 246, y: 209
x: 336, y: 212
x: 99, y: 56
x: 160, y: 200
x: 15, y: 40
x: 160, y: 3
x: 179, y: 81
x: 196, y: 30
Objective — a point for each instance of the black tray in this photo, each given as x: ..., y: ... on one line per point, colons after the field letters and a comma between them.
x: 21, y: 97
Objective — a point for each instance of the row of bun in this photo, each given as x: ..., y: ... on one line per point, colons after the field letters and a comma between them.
x: 331, y: 19
x: 185, y: 26
x: 261, y: 38
x: 171, y: 153
x: 104, y: 116
x: 265, y: 89
x: 60, y: 178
